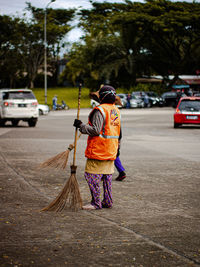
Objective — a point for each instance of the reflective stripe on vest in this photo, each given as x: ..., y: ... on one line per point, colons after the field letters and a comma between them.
x: 108, y: 136
x: 102, y: 111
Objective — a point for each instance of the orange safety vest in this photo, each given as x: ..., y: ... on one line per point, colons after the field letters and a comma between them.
x: 105, y: 145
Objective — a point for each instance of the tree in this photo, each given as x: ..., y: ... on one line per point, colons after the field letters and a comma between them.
x: 22, y: 42
x: 114, y: 47
x: 58, y: 25
x: 128, y: 40
x: 170, y: 34
x: 104, y: 53
x: 10, y: 63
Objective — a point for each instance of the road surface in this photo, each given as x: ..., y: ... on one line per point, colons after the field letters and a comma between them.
x: 155, y: 220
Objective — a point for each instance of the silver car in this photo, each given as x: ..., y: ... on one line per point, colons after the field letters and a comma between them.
x: 136, y: 102
x: 18, y: 104
x: 43, y: 109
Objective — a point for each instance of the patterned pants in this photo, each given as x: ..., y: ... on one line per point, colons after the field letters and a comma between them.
x: 93, y: 181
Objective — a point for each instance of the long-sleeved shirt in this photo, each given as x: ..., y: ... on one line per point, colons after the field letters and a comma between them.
x: 97, y: 124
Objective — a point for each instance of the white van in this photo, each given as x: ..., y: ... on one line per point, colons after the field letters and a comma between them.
x: 18, y: 104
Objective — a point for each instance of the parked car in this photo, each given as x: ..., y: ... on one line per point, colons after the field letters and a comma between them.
x: 43, y: 109
x: 187, y: 111
x: 136, y: 102
x: 18, y: 104
x: 155, y: 99
x: 196, y: 94
x: 94, y: 103
x: 170, y: 99
x: 140, y: 95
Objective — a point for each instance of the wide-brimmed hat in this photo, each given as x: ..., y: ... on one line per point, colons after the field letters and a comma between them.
x: 95, y: 96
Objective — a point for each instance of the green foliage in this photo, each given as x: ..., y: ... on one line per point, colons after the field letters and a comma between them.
x: 22, y: 44
x: 9, y: 38
x: 57, y: 23
x: 128, y: 40
x: 121, y: 42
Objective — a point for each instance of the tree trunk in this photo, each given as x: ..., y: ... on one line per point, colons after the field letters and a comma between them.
x: 31, y: 84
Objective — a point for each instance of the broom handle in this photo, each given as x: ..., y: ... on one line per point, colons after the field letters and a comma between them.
x: 76, y: 131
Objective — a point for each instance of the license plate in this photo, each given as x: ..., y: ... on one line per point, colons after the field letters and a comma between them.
x: 22, y: 105
x: 192, y: 117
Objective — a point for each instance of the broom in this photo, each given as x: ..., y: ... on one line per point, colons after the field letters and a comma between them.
x: 70, y: 193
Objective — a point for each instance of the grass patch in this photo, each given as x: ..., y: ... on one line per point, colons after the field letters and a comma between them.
x: 69, y: 95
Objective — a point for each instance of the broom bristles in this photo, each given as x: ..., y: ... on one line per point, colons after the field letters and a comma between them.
x: 69, y: 195
x: 59, y: 161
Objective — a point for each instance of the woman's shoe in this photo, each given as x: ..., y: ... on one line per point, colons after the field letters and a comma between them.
x: 88, y: 207
x: 121, y: 176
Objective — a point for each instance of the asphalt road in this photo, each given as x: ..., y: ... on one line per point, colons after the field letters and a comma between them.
x: 155, y: 220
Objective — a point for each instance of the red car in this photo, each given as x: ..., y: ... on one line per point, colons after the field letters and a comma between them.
x: 187, y: 111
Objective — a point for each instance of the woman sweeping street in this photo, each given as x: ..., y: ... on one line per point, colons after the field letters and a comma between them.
x: 103, y: 132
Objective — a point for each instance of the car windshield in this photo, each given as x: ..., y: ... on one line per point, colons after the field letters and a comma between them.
x: 18, y: 95
x: 171, y: 94
x: 190, y: 105
x: 137, y: 95
x: 152, y: 94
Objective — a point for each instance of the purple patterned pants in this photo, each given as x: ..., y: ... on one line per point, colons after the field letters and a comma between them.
x: 93, y: 181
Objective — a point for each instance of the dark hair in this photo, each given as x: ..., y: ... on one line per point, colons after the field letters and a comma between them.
x: 107, y: 94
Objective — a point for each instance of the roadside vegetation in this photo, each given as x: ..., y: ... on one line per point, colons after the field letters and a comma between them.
x: 68, y: 94
x: 121, y: 43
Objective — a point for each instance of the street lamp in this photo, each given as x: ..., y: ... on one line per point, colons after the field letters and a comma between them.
x: 45, y: 50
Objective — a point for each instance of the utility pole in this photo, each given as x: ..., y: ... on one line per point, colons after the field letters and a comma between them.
x: 45, y: 50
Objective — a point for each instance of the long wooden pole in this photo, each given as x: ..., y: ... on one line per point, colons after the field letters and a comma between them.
x: 76, y: 130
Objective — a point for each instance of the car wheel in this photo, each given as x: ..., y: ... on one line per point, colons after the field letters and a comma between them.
x: 15, y: 122
x: 176, y: 125
x: 40, y: 112
x: 32, y: 122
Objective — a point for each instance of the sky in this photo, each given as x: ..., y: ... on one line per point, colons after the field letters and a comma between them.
x: 16, y: 8
x: 10, y: 7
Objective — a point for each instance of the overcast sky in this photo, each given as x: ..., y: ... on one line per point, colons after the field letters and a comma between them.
x: 16, y: 8
x: 10, y: 7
